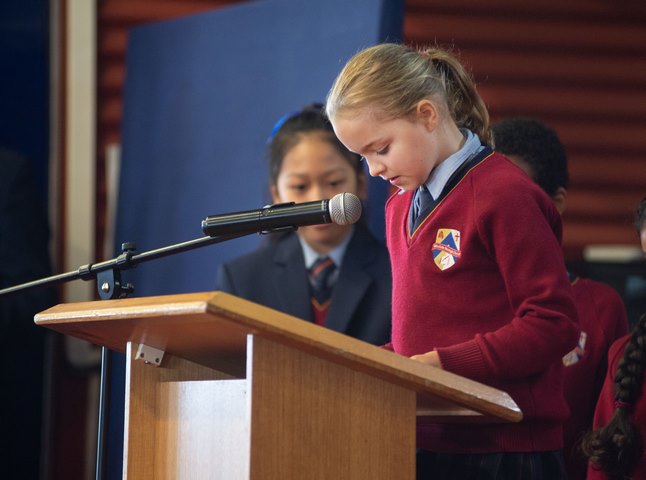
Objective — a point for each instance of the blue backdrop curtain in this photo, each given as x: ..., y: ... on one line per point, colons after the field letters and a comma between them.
x: 202, y: 95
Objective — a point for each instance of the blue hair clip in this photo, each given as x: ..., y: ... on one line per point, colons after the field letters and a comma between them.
x: 312, y: 108
x: 281, y: 121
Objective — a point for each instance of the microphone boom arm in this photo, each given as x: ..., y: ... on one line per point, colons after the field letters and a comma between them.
x: 108, y: 273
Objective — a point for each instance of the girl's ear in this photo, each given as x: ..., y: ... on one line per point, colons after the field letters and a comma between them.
x: 559, y: 198
x: 274, y: 194
x: 428, y: 114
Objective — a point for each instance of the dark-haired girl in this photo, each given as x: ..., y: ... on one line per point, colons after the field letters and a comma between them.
x: 616, y: 446
x: 333, y: 275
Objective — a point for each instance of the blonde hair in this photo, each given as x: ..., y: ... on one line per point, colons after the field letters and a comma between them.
x: 390, y: 79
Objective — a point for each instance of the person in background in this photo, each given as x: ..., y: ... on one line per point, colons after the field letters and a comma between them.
x: 615, y: 447
x: 480, y: 287
x: 24, y: 256
x: 333, y: 275
x: 536, y: 149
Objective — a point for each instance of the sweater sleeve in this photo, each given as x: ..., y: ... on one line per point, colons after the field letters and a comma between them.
x: 520, y: 229
x: 388, y: 346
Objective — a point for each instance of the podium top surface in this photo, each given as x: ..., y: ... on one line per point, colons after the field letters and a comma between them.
x: 210, y: 328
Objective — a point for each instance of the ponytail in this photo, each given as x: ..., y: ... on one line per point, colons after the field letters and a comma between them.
x: 617, y: 447
x: 465, y: 105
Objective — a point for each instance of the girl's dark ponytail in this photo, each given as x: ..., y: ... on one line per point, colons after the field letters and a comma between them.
x: 617, y: 447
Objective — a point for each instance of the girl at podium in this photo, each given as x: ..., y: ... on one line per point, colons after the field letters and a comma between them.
x: 479, y: 282
x: 337, y: 276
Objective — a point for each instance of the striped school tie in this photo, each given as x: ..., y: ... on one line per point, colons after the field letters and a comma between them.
x: 423, y: 203
x: 320, y: 279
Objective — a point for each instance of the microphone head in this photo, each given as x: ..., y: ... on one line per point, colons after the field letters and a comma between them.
x: 345, y: 208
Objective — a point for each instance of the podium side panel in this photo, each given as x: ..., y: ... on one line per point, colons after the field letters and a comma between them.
x: 167, y: 407
x: 315, y: 419
x: 139, y: 413
x: 203, y: 431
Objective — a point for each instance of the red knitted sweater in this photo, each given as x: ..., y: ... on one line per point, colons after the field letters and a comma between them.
x: 602, y: 320
x: 483, y: 282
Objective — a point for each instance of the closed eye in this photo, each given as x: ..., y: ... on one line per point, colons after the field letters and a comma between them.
x: 383, y: 151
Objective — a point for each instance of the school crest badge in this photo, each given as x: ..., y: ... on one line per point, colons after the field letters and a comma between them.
x: 446, y: 249
x: 578, y: 353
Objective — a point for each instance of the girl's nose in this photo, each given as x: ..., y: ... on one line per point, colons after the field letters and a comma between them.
x: 315, y: 194
x: 375, y: 168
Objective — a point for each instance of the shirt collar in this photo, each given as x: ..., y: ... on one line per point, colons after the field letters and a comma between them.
x: 441, y: 174
x: 336, y: 254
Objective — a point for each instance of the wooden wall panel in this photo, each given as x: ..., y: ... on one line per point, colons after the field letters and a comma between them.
x: 579, y: 66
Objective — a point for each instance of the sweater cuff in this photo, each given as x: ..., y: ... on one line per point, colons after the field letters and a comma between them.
x: 464, y: 359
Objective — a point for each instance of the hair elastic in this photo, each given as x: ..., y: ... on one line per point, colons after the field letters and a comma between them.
x: 621, y: 405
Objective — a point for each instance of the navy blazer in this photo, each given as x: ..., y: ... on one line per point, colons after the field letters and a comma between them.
x: 274, y: 275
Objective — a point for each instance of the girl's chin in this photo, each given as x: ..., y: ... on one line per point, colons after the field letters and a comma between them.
x: 322, y: 227
x: 322, y: 238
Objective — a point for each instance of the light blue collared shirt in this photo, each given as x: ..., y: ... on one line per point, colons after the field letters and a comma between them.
x: 336, y: 254
x: 441, y: 174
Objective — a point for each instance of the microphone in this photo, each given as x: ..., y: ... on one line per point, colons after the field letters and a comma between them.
x: 342, y: 209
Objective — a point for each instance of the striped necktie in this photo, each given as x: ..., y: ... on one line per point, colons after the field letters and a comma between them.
x: 320, y: 279
x: 422, y: 205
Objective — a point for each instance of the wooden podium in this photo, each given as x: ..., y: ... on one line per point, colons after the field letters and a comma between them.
x: 219, y: 387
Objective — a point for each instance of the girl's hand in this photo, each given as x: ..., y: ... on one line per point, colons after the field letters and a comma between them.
x: 429, y: 358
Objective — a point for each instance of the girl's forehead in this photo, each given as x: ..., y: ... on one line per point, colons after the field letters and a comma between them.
x: 359, y: 121
x: 353, y: 134
x: 314, y: 154
x: 361, y: 133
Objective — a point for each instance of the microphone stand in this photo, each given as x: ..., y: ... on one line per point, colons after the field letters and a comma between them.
x: 109, y: 286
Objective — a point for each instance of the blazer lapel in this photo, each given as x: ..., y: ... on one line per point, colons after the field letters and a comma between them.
x: 290, y: 280
x: 353, y: 282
